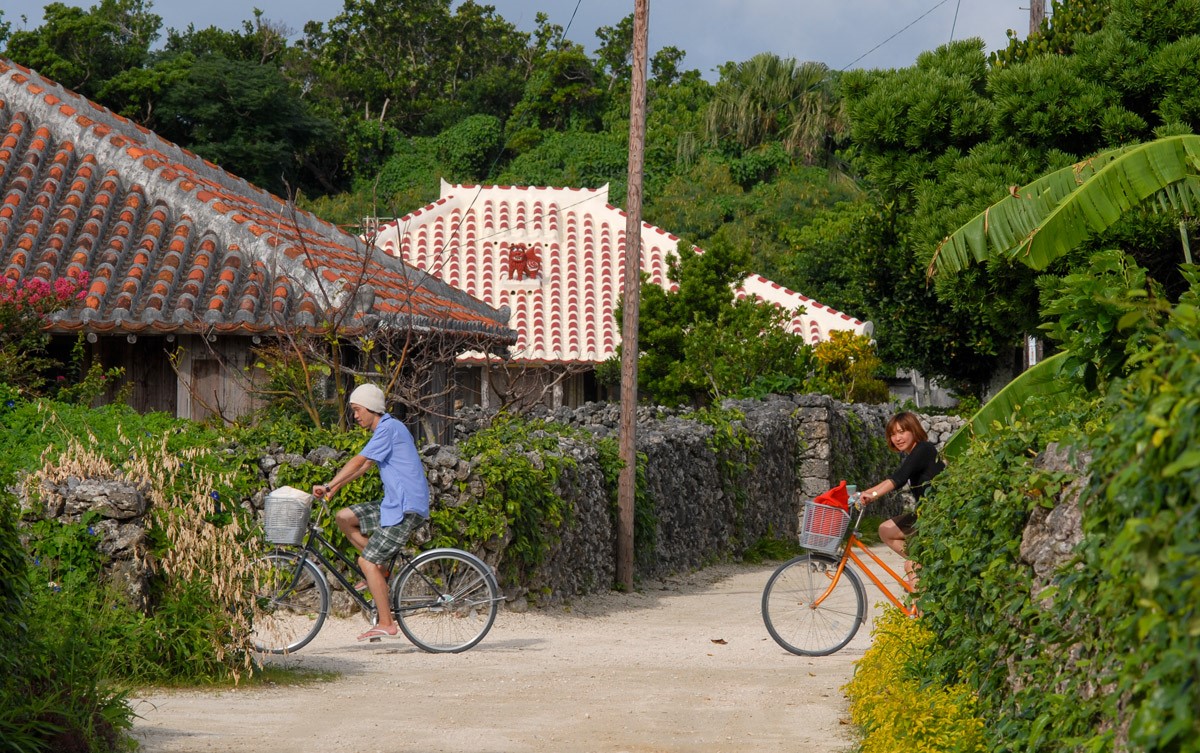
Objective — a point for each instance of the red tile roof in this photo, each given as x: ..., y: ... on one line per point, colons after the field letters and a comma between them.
x: 172, y: 243
x: 563, y: 308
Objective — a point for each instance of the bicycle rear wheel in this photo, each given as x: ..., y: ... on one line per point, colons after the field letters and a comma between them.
x: 291, y: 601
x: 445, y: 600
x: 799, y: 626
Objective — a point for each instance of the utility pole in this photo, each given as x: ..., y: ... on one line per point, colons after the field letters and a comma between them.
x: 1037, y: 14
x: 627, y: 482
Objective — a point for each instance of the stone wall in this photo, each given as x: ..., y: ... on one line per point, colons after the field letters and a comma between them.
x: 803, y: 445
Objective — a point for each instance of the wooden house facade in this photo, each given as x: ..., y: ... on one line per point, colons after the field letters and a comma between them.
x: 185, y: 267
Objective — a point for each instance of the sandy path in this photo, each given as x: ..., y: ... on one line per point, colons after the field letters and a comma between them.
x: 613, y: 672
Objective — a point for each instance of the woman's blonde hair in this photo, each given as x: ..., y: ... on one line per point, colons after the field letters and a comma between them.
x: 907, y: 422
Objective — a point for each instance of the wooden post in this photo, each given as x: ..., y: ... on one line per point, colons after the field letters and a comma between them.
x: 627, y: 483
x: 1037, y: 13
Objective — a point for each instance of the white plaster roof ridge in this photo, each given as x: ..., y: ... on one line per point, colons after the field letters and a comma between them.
x: 463, y: 196
x: 756, y: 283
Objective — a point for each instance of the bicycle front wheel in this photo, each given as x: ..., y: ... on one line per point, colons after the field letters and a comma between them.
x: 800, y: 625
x: 291, y: 601
x: 445, y: 600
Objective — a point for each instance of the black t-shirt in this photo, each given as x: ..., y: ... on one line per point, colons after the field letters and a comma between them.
x: 918, y: 468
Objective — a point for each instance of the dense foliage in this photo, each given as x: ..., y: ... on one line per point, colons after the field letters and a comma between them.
x: 80, y: 640
x: 895, y: 709
x: 1106, y: 657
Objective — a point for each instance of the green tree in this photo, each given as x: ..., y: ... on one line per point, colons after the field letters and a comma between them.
x: 615, y: 51
x: 258, y: 41
x: 564, y: 92
x: 1047, y: 219
x: 904, y: 121
x: 698, y: 344
x: 1057, y: 32
x: 939, y: 142
x: 83, y: 49
x: 574, y: 158
x: 845, y: 368
x: 398, y: 61
x: 837, y: 258
x: 697, y: 202
x: 242, y: 116
x: 469, y: 148
x: 769, y: 98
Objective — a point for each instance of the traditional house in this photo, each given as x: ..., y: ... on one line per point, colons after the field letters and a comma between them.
x: 186, y: 266
x: 554, y: 257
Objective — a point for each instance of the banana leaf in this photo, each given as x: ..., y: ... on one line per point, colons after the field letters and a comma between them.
x: 1040, y: 222
x: 1039, y: 379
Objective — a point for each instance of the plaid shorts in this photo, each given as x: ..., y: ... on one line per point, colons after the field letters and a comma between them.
x: 383, y: 541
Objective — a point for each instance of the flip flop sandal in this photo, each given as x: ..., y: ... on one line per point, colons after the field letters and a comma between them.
x: 377, y: 632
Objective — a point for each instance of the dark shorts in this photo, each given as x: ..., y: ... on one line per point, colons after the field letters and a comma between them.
x: 383, y: 542
x: 906, y: 522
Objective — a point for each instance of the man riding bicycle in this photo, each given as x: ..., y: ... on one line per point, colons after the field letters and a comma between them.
x: 379, y: 529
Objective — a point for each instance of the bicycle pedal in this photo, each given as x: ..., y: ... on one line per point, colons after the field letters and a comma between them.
x: 375, y: 640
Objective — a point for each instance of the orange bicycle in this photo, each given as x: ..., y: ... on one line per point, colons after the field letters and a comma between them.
x: 813, y: 604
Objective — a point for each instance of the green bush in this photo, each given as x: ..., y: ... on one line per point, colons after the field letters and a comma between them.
x: 518, y: 495
x: 895, y: 708
x: 1107, y: 657
x: 53, y: 695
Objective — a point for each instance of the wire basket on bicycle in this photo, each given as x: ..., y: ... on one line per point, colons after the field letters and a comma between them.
x: 824, y: 527
x: 285, y: 515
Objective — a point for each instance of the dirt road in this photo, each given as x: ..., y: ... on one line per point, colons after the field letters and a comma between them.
x: 683, y: 665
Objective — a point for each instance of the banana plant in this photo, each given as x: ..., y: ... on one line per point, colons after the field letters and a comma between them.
x: 1041, y: 378
x: 1040, y: 222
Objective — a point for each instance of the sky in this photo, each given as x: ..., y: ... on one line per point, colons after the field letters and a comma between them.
x: 840, y: 33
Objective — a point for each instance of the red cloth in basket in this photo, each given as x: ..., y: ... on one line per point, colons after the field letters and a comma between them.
x: 838, y: 496
x: 830, y: 523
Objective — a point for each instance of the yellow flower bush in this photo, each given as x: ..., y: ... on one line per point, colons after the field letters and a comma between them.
x: 894, y: 711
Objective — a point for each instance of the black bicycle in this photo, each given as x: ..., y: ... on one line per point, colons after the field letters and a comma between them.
x: 445, y: 600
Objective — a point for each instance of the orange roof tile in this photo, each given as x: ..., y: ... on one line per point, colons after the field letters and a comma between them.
x: 171, y: 242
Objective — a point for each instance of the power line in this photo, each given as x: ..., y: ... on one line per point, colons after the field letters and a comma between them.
x: 954, y: 25
x: 566, y: 28
x: 906, y: 28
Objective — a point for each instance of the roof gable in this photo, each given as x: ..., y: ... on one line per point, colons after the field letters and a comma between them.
x: 479, y: 239
x: 171, y: 242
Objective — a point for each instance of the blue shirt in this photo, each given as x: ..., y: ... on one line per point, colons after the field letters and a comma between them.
x: 405, y: 488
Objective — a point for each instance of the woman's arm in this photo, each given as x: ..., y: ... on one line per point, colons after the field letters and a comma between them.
x: 877, y: 491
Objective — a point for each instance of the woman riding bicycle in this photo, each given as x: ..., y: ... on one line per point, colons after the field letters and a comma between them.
x: 379, y: 529
x: 920, y: 464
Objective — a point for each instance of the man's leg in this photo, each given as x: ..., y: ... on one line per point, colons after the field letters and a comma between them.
x: 382, y: 547
x: 347, y: 523
x: 377, y: 582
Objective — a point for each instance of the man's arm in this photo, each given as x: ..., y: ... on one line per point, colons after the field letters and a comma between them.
x: 355, y: 467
